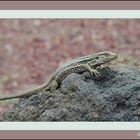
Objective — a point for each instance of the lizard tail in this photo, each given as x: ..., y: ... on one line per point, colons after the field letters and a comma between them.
x: 26, y: 93
x: 9, y: 97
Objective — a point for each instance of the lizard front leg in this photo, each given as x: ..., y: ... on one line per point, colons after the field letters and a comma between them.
x: 92, y: 70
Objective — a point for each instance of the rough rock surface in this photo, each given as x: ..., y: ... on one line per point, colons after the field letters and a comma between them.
x: 115, y: 96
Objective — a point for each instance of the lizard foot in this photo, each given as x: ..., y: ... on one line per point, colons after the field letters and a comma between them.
x: 92, y: 70
x: 95, y: 72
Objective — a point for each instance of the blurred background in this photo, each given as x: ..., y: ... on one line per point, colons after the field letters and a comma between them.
x: 31, y: 50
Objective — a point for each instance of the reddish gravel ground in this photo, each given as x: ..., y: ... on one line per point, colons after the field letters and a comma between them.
x: 30, y: 50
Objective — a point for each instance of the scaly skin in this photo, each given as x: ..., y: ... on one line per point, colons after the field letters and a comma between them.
x: 81, y: 64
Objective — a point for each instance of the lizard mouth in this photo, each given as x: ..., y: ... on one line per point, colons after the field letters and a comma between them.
x: 111, y: 56
x: 114, y: 56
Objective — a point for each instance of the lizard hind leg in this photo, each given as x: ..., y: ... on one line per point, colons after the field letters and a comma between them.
x: 54, y: 86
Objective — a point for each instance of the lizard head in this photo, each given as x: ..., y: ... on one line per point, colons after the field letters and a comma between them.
x: 105, y: 57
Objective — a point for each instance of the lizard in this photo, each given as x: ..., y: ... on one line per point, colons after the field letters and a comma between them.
x: 77, y: 65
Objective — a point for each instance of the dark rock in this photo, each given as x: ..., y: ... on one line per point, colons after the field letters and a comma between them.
x: 115, y: 96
